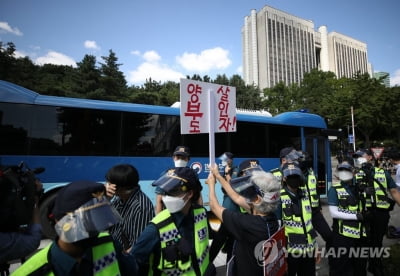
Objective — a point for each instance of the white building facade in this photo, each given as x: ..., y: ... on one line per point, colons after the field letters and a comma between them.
x: 279, y: 47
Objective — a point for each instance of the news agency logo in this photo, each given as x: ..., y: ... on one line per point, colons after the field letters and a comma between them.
x: 268, y: 252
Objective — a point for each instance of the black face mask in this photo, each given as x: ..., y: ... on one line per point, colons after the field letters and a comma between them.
x: 304, y: 165
x: 294, y: 182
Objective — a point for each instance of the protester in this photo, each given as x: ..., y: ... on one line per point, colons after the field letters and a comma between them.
x: 223, y: 239
x: 176, y: 240
x: 350, y: 219
x: 297, y: 220
x: 81, y: 213
x: 260, y: 196
x: 135, y: 208
x: 377, y: 182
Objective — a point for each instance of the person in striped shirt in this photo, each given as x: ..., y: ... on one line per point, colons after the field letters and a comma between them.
x: 134, y: 206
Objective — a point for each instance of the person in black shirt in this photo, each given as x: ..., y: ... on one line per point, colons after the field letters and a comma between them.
x: 260, y: 197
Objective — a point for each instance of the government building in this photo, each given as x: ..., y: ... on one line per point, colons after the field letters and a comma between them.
x: 280, y: 47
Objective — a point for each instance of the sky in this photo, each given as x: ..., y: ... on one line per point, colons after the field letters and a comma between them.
x: 166, y: 40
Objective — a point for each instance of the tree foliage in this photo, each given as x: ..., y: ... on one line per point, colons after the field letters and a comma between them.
x: 375, y: 106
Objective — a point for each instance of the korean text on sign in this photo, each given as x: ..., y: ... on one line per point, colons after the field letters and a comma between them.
x: 195, y: 107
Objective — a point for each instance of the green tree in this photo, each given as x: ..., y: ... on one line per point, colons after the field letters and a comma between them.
x: 7, y: 61
x: 315, y: 91
x: 55, y: 80
x: 279, y: 98
x: 367, y: 98
x: 113, y: 80
x: 87, y: 79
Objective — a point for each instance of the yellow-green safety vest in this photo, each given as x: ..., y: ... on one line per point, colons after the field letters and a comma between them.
x: 379, y: 196
x: 277, y: 173
x: 299, y: 230
x: 169, y: 233
x: 103, y: 255
x: 312, y: 188
x: 311, y: 185
x: 349, y: 228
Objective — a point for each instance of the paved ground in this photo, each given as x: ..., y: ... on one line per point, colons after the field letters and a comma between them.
x: 322, y: 267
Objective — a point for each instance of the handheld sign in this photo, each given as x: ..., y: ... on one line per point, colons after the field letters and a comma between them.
x: 207, y: 108
x: 274, y: 260
x: 195, y: 107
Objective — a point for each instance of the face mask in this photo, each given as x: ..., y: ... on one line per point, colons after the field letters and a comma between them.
x: 293, y: 182
x: 345, y: 175
x: 180, y: 163
x: 174, y: 204
x: 361, y: 160
x: 224, y: 163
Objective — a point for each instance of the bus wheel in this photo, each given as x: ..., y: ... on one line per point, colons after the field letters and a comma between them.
x: 45, y: 210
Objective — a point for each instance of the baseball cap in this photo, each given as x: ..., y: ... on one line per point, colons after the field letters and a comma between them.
x: 176, y: 181
x: 291, y: 169
x: 80, y: 209
x: 182, y: 150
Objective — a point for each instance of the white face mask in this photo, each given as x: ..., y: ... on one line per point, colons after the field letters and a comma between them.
x: 180, y: 163
x: 174, y: 204
x: 224, y: 163
x: 361, y: 160
x: 345, y: 175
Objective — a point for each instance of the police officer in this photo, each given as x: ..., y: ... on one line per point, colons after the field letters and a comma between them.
x: 176, y: 240
x: 349, y: 218
x: 287, y: 154
x: 180, y: 157
x: 290, y: 154
x: 376, y: 183
x: 297, y: 217
x: 81, y: 212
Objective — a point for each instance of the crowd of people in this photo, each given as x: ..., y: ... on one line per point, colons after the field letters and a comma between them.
x: 114, y: 228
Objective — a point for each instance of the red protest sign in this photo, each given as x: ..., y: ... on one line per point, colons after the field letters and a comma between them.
x: 274, y: 254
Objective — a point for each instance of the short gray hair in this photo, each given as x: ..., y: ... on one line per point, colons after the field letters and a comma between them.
x: 270, y: 189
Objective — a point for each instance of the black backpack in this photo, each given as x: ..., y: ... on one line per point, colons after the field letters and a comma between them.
x: 17, y: 197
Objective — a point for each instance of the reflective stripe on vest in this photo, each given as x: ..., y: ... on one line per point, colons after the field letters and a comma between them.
x: 312, y: 188
x: 105, y: 259
x: 170, y: 233
x: 379, y: 195
x: 277, y: 173
x: 103, y: 255
x: 297, y: 240
x: 348, y: 228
